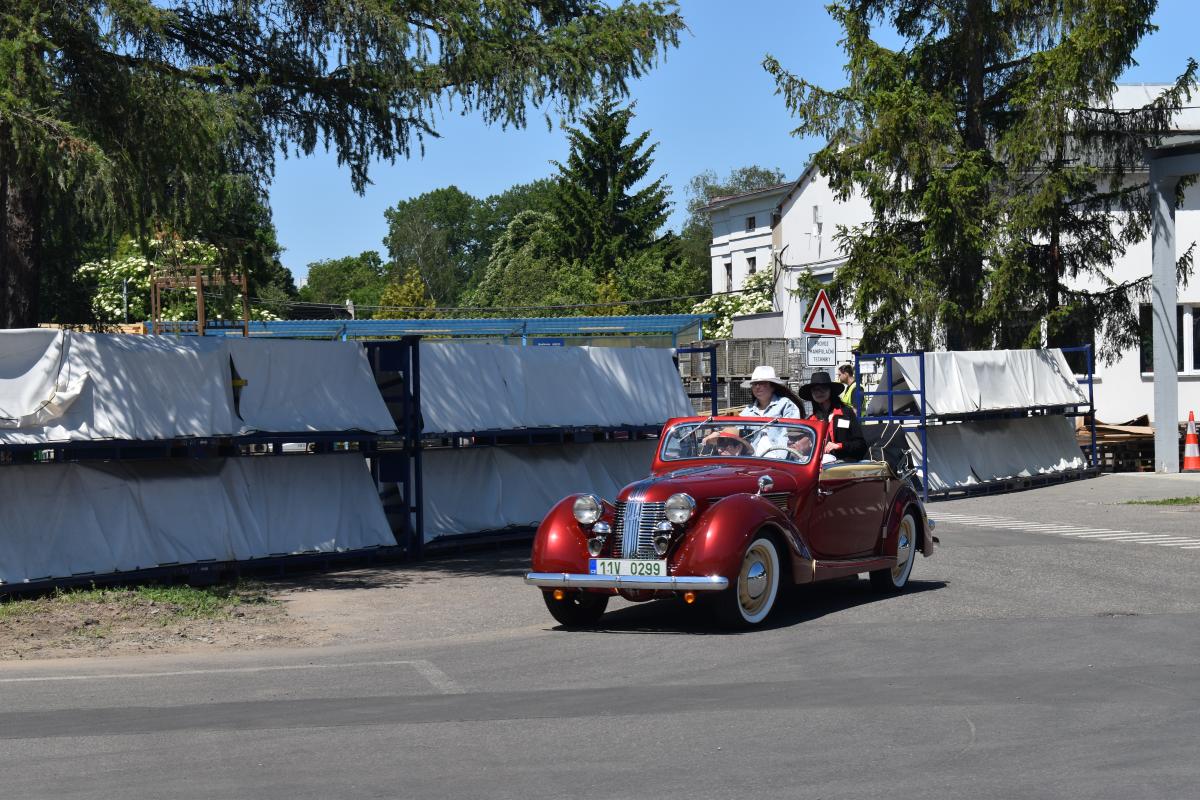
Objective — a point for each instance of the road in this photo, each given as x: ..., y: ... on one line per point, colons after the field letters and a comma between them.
x: 1051, y: 648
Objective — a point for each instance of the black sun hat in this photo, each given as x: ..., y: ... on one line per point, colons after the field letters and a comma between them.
x: 818, y: 378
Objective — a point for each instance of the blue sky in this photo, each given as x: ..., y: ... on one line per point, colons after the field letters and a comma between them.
x: 709, y: 105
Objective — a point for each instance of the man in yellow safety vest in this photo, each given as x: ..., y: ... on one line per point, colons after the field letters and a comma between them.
x: 851, y: 395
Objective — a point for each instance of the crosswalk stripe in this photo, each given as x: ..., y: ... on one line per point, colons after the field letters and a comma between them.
x: 1078, y: 533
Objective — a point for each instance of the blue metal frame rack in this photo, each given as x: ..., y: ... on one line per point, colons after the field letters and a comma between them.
x: 922, y: 420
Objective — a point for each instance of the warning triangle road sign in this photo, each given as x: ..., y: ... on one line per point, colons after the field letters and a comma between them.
x: 820, y: 319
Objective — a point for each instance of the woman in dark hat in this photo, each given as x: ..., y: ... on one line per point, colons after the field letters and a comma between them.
x: 846, y: 440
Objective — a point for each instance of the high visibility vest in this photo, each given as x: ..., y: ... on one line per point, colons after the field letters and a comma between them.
x: 847, y: 396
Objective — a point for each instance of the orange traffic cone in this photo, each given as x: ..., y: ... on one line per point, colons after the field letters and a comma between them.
x: 1191, y: 446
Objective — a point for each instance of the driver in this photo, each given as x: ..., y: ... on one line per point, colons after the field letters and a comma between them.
x: 800, y: 444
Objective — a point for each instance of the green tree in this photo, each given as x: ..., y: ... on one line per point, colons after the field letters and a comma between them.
x: 494, y: 213
x: 406, y: 299
x: 603, y: 219
x: 119, y: 286
x: 993, y: 169
x: 124, y: 114
x: 436, y: 233
x: 526, y: 268
x: 360, y: 279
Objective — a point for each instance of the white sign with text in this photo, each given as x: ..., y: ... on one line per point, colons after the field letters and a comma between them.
x: 821, y: 351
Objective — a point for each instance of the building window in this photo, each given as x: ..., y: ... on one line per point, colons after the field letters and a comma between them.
x: 750, y: 224
x: 1146, y: 344
x: 729, y: 276
x: 752, y: 265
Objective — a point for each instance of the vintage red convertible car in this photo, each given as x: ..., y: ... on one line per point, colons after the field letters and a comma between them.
x: 733, y: 509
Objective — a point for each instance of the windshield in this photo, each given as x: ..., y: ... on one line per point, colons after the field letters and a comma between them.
x: 752, y: 438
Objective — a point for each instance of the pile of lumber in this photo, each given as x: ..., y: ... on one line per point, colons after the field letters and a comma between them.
x: 1127, y: 447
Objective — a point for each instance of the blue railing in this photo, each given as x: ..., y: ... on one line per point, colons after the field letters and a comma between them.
x: 891, y: 393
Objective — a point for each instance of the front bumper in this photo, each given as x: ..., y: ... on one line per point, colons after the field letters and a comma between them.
x: 667, y: 583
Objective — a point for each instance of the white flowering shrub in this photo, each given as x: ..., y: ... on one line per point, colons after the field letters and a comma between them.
x: 757, y: 296
x: 115, y: 278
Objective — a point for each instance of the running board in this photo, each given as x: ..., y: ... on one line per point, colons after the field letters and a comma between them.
x: 825, y: 570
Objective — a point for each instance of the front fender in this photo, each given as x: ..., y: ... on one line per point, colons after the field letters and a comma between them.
x: 716, y: 542
x: 560, y: 544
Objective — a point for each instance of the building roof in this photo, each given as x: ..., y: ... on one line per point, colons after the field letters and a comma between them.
x: 719, y: 202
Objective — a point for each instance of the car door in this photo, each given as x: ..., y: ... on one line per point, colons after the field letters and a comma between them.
x: 847, y: 511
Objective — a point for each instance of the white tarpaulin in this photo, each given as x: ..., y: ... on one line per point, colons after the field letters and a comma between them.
x: 470, y: 386
x: 980, y: 451
x: 60, y: 386
x: 70, y: 519
x: 964, y: 382
x: 516, y: 486
x: 297, y: 385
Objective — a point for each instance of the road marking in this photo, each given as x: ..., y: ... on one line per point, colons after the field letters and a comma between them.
x: 1077, y: 532
x: 438, y: 679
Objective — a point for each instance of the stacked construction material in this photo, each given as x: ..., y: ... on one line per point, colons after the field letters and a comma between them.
x: 62, y: 393
x: 592, y: 409
x: 991, y: 418
x: 735, y: 361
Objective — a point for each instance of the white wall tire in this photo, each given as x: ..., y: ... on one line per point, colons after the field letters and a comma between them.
x: 749, y: 601
x: 895, y: 579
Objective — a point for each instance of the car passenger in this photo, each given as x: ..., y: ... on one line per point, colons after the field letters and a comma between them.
x: 772, y: 397
x: 727, y: 442
x: 846, y: 441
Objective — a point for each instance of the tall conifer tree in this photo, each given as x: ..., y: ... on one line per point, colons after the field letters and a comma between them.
x: 602, y: 220
x: 1002, y: 185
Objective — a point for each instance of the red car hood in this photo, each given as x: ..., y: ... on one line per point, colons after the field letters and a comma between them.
x: 708, y: 481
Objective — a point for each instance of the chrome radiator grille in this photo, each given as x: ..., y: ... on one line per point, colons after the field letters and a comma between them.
x: 633, y: 528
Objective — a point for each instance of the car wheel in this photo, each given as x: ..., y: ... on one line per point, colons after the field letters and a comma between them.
x: 896, y: 578
x: 577, y: 609
x: 751, y: 598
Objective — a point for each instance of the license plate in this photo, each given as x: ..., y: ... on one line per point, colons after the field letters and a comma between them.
x: 634, y: 567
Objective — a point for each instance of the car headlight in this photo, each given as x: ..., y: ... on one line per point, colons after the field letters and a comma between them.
x: 680, y: 507
x: 587, y: 509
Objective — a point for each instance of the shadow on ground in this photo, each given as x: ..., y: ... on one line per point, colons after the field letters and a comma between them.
x: 801, y: 604
x: 511, y: 560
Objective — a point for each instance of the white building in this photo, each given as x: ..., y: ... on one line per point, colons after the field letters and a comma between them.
x: 792, y: 228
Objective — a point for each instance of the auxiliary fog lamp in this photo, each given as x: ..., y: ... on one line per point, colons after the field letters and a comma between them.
x: 600, y: 532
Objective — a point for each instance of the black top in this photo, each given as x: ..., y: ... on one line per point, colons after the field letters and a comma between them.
x: 849, y: 436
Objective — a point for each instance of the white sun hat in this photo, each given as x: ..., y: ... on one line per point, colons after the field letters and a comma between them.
x: 764, y: 374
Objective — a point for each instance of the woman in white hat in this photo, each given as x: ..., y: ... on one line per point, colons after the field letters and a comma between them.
x: 772, y: 397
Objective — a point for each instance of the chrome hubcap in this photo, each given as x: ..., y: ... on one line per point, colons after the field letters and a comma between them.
x: 756, y: 579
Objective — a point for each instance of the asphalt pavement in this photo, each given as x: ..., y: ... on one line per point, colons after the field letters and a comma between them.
x: 1050, y: 649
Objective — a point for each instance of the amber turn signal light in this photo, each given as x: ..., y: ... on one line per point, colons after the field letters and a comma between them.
x: 559, y: 594
x: 689, y: 597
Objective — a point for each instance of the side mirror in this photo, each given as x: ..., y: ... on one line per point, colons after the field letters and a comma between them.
x: 765, y: 484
